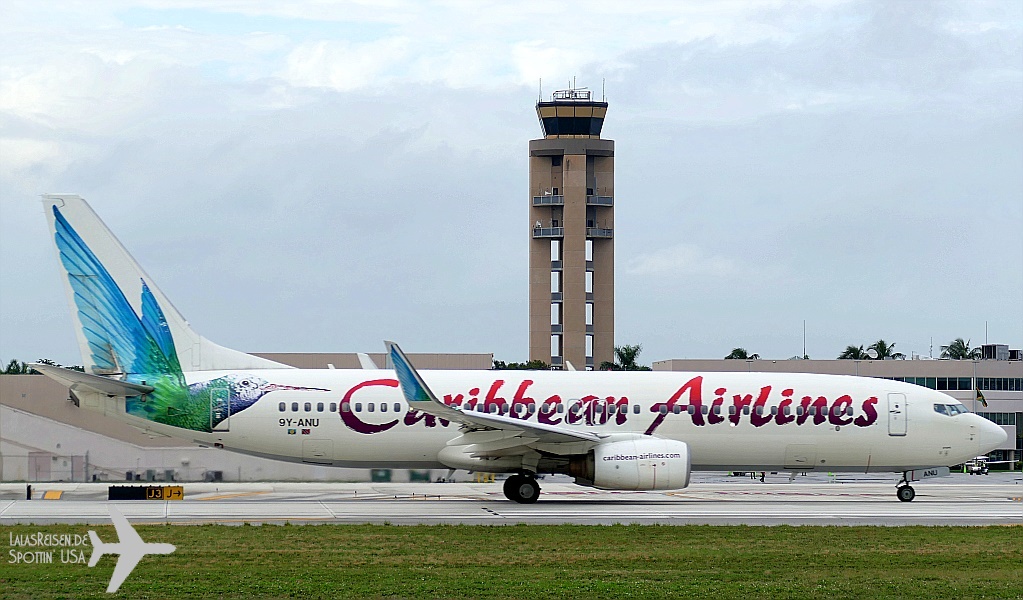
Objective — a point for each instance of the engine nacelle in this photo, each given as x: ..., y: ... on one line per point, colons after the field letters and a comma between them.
x: 646, y: 464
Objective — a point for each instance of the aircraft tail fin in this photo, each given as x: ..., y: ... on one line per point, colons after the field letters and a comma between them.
x: 123, y: 322
x: 98, y: 548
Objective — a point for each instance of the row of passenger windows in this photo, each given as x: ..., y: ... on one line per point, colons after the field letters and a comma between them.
x: 999, y: 418
x: 524, y: 409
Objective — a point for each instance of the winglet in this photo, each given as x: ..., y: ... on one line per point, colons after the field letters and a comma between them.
x: 417, y: 394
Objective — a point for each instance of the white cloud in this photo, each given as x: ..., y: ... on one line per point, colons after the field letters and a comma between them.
x: 681, y: 261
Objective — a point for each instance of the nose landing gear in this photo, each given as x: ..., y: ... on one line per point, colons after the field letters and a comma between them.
x: 522, y: 489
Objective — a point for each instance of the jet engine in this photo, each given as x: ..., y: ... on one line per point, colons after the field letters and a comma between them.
x: 644, y: 464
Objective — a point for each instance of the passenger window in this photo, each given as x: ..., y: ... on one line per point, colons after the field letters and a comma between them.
x: 849, y: 411
x: 308, y: 406
x: 799, y: 411
x: 370, y: 406
x: 531, y: 409
x: 610, y: 409
x: 383, y: 407
x: 319, y: 407
x: 664, y: 409
x: 745, y: 410
x: 676, y: 409
x: 282, y: 407
x: 635, y: 409
x: 731, y: 410
x: 397, y: 407
x: 561, y: 408
x: 345, y: 407
x: 294, y: 407
x: 705, y: 410
x: 358, y: 407
x: 333, y: 407
x: 774, y: 410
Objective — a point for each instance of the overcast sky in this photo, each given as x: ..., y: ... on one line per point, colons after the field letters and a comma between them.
x: 312, y: 176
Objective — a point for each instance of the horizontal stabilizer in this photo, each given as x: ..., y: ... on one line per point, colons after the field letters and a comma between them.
x: 76, y: 380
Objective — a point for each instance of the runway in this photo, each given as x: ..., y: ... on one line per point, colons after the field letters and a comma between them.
x: 816, y: 499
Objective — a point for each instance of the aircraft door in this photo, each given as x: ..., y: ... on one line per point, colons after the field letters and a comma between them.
x: 220, y: 409
x: 896, y: 414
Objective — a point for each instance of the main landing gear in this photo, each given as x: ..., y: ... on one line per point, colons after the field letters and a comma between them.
x: 904, y: 491
x: 522, y: 488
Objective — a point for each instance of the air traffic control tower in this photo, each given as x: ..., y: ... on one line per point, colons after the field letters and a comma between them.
x: 571, y: 224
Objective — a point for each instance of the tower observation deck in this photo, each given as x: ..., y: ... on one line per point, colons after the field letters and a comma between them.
x: 571, y: 242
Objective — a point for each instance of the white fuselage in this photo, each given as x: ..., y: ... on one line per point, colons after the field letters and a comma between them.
x: 731, y: 421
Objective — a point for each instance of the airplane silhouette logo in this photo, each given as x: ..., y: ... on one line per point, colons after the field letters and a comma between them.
x: 129, y: 547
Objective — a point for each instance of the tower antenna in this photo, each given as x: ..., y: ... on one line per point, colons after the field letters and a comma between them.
x: 603, y: 94
x: 539, y: 97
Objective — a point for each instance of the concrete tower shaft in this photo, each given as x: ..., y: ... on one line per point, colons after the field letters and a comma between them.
x: 571, y: 248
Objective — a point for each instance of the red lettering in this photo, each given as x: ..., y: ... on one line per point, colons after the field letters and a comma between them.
x: 783, y: 407
x: 869, y: 415
x: 520, y: 399
x: 695, y: 388
x: 761, y: 416
x: 837, y: 416
x: 547, y: 411
x: 352, y: 421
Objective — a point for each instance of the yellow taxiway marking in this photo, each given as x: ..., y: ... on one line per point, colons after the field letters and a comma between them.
x: 238, y: 495
x: 52, y: 495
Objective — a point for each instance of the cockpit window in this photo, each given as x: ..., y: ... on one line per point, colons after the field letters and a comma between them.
x: 950, y: 409
x: 958, y: 408
x: 940, y: 408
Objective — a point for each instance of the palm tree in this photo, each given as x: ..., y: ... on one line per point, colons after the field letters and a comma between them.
x: 741, y: 354
x: 960, y: 350
x: 854, y: 353
x: 885, y: 350
x: 625, y: 359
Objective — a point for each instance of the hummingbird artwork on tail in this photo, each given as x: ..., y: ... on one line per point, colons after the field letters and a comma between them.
x: 141, y: 349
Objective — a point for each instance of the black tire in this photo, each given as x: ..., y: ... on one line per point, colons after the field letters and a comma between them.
x: 522, y: 489
x: 906, y: 493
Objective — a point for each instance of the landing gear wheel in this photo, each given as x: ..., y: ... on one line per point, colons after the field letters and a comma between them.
x: 522, y: 489
x: 906, y: 493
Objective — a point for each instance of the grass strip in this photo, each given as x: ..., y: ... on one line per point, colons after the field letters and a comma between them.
x: 537, y: 561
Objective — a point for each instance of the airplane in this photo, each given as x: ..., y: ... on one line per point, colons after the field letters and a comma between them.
x: 129, y: 547
x: 146, y: 366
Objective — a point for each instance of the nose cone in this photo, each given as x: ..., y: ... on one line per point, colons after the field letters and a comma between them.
x: 990, y: 437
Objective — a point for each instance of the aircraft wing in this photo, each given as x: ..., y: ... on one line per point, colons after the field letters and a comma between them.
x: 125, y: 532
x: 419, y: 397
x: 125, y: 565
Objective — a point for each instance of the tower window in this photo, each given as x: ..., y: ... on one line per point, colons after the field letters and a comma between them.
x: 555, y: 313
x: 589, y: 313
x: 589, y: 282
x: 555, y: 281
x: 589, y: 346
x: 555, y: 249
x: 589, y: 249
x: 555, y: 161
x: 556, y: 345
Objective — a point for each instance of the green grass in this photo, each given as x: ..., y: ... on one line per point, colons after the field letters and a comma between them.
x: 528, y: 561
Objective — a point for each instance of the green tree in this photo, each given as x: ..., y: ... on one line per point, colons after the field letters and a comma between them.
x: 958, y: 349
x: 742, y: 354
x: 885, y: 350
x: 854, y: 353
x: 15, y: 367
x: 625, y: 359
